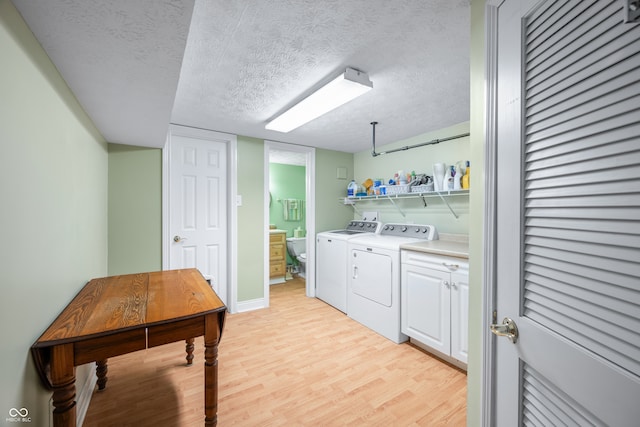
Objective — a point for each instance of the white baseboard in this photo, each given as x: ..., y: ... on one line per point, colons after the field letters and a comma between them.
x: 254, y: 304
x: 83, y: 397
x: 439, y: 354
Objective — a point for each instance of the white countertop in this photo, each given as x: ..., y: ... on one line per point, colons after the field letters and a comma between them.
x: 455, y: 245
x: 276, y: 230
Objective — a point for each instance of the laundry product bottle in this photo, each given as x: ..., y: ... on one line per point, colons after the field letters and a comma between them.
x: 439, y: 176
x: 465, y: 178
x: 352, y: 188
x: 457, y: 178
x: 450, y: 177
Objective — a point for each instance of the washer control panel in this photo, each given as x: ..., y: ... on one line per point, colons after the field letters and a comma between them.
x: 419, y: 231
x: 366, y: 226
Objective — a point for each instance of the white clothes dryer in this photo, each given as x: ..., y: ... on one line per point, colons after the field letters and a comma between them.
x: 373, y: 296
x: 331, y: 261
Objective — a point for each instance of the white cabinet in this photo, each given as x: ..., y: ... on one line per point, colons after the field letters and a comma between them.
x: 435, y: 301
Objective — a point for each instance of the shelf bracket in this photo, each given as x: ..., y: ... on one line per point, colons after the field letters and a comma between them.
x: 396, y: 206
x: 448, y: 205
x: 352, y: 203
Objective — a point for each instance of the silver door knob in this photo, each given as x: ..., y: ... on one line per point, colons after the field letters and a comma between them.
x: 177, y: 238
x: 507, y: 329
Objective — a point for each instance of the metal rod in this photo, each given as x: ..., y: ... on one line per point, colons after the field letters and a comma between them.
x: 373, y: 150
x: 408, y: 147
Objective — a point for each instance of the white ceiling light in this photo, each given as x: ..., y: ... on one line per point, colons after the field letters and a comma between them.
x: 347, y: 86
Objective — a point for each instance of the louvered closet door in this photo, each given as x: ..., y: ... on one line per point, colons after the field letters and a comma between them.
x: 568, y: 202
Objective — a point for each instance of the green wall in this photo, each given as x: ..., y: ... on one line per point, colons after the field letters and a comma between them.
x: 53, y: 187
x: 420, y: 160
x: 135, y: 209
x: 476, y: 218
x: 330, y: 213
x: 251, y: 231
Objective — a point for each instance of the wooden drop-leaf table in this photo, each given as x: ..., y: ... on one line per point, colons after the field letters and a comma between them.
x: 116, y: 315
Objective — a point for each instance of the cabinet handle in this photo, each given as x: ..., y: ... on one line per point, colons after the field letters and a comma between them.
x: 446, y: 283
x: 453, y: 285
x: 451, y: 266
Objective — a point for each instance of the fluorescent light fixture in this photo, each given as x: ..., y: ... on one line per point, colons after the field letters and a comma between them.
x: 347, y: 86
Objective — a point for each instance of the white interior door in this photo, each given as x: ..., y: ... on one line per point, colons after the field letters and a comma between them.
x: 568, y: 214
x: 198, y: 230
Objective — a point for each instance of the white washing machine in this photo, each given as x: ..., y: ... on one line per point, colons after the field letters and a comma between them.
x: 373, y: 296
x: 331, y: 261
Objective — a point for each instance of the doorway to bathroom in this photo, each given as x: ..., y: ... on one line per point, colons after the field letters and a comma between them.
x: 289, y: 189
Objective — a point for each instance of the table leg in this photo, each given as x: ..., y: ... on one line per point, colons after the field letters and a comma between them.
x: 101, y: 373
x: 63, y: 380
x: 211, y: 338
x: 189, y: 348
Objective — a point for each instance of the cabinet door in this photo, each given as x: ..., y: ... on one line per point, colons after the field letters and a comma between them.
x: 425, y: 306
x: 331, y: 272
x: 459, y: 315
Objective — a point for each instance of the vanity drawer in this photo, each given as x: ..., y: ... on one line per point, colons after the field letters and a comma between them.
x: 276, y: 252
x: 276, y: 270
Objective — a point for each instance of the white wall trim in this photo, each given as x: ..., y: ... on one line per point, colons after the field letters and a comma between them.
x: 232, y: 208
x: 310, y: 212
x: 489, y: 226
x: 250, y: 305
x: 232, y: 221
x: 85, y: 393
x: 265, y: 226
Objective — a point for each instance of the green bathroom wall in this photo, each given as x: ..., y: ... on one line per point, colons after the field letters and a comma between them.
x: 135, y: 209
x: 287, y: 182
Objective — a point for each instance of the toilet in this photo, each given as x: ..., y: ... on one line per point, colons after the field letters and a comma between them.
x: 297, y: 248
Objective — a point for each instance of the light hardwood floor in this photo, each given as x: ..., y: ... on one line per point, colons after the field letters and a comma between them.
x: 298, y: 363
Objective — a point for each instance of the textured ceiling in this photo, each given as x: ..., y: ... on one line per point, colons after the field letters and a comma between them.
x: 121, y: 59
x: 246, y: 61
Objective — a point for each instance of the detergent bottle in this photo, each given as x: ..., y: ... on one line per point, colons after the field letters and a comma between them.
x: 465, y: 178
x: 352, y: 188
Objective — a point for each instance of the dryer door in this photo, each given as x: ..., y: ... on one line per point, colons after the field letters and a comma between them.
x: 371, y: 275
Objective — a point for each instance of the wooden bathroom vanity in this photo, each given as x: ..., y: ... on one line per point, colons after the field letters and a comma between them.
x: 277, y: 255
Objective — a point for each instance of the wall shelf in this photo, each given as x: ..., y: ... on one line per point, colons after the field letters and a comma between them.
x: 352, y: 201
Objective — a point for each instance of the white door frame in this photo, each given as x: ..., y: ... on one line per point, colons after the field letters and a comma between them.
x: 310, y: 213
x: 232, y: 216
x: 487, y: 392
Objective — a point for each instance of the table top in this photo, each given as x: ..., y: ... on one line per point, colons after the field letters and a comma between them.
x: 119, y: 303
